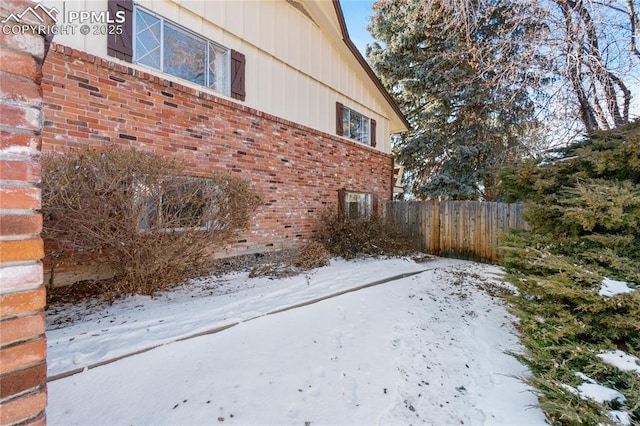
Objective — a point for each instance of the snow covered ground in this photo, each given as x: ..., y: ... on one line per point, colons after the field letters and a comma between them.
x: 429, y: 348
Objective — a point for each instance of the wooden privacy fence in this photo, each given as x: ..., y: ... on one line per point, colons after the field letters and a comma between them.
x: 461, y: 229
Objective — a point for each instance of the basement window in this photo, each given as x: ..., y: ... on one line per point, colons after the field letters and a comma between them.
x: 175, y: 205
x: 355, y: 205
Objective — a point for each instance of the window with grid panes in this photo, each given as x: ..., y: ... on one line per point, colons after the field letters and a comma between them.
x: 167, y: 47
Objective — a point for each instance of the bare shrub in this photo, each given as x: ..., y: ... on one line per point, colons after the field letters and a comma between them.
x: 294, y: 261
x: 351, y: 238
x: 140, y: 214
x: 280, y: 268
x: 311, y: 255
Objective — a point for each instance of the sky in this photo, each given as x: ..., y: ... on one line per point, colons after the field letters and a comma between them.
x: 356, y: 15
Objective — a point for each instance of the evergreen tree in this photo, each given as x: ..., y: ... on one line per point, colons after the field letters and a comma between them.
x: 462, y: 82
x: 583, y: 205
x: 589, y: 190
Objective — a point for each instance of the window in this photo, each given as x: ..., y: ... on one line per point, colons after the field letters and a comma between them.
x: 167, y: 47
x: 176, y: 204
x: 355, y: 205
x: 354, y: 125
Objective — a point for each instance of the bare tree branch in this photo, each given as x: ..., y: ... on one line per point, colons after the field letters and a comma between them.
x: 634, y: 21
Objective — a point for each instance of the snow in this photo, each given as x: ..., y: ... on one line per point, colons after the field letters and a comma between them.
x: 620, y: 417
x: 591, y: 389
x: 600, y: 393
x: 430, y: 347
x: 621, y: 360
x: 86, y: 335
x: 611, y: 287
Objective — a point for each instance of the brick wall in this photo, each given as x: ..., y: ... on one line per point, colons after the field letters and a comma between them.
x: 91, y: 101
x: 23, y: 394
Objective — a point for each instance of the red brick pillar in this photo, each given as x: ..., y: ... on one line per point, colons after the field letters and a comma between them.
x: 23, y: 392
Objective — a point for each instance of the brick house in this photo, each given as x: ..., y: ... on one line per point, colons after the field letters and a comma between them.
x: 274, y: 91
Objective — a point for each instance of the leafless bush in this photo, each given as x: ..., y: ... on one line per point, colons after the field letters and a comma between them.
x: 139, y: 213
x: 350, y: 238
x: 277, y: 269
x: 294, y: 261
x: 311, y: 255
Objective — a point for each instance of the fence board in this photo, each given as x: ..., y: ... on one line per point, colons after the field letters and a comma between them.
x: 464, y: 229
